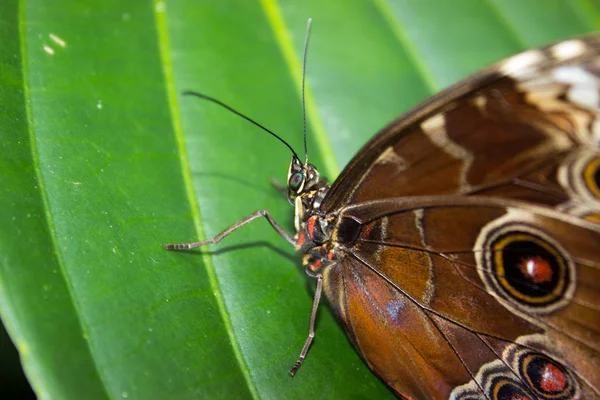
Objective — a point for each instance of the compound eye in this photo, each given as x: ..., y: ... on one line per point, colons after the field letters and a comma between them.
x: 295, y: 182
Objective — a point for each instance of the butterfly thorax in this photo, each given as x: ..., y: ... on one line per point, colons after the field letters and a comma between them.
x: 307, y: 189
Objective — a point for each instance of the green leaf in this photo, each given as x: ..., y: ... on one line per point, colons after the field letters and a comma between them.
x: 104, y: 162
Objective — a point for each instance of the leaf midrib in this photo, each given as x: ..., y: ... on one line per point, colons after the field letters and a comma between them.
x: 167, y: 68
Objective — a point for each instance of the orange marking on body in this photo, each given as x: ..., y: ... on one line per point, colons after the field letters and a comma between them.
x: 301, y: 239
x: 315, y: 265
x: 330, y: 255
x: 311, y: 226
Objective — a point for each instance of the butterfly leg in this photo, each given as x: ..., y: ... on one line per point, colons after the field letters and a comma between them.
x: 237, y: 225
x: 311, y: 329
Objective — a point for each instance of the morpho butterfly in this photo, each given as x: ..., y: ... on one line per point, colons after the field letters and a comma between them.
x: 460, y: 248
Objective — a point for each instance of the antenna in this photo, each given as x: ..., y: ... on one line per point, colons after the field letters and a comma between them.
x: 303, y: 80
x: 213, y: 100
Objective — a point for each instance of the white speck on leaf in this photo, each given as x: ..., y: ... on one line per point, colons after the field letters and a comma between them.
x: 49, y: 50
x: 99, y: 105
x: 160, y: 7
x: 57, y: 40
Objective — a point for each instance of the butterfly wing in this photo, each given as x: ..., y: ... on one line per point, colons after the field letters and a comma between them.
x: 471, y: 297
x: 526, y: 128
x: 468, y: 301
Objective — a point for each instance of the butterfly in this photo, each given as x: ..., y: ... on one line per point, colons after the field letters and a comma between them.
x: 460, y: 248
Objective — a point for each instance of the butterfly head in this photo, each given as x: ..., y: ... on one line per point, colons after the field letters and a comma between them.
x: 302, y: 179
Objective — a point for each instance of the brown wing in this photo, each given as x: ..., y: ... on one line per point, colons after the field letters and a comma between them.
x: 471, y: 297
x: 526, y: 128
